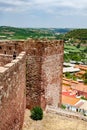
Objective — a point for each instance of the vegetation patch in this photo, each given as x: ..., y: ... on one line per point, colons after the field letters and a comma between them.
x: 63, y: 106
x: 37, y: 113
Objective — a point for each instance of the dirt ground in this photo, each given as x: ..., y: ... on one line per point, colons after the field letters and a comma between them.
x: 53, y: 122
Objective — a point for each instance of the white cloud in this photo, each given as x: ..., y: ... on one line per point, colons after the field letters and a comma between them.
x: 49, y: 6
x: 67, y: 3
x: 15, y: 6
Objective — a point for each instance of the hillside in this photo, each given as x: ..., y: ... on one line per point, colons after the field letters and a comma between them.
x: 80, y: 34
x: 24, y: 33
x: 50, y: 33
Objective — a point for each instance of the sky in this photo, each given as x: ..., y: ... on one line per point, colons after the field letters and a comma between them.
x: 44, y: 13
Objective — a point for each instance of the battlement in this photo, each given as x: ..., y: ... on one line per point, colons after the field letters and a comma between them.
x: 38, y: 47
x: 36, y: 67
x: 12, y: 64
x: 4, y: 59
x: 12, y: 97
x: 8, y: 46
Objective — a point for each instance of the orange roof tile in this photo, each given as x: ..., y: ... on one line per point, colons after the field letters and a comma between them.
x: 83, y: 67
x: 66, y: 82
x: 69, y: 81
x: 69, y: 100
x: 76, y: 82
x: 81, y: 87
x: 81, y: 72
x: 66, y: 79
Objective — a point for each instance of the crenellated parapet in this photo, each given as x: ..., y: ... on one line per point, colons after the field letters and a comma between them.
x: 12, y: 93
x: 31, y: 69
x: 8, y: 46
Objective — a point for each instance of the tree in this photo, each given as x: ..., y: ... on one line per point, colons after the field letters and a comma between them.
x: 78, y: 46
x: 85, y: 50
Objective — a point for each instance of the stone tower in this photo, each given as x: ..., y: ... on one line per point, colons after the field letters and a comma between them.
x: 35, y: 74
x: 44, y: 72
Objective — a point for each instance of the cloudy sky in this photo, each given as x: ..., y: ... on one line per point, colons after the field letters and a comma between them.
x: 44, y: 13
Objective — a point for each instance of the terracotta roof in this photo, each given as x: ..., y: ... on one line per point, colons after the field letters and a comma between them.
x: 83, y: 67
x: 76, y: 82
x: 70, y: 93
x: 81, y: 72
x: 81, y: 87
x: 66, y: 82
x: 69, y: 81
x: 69, y: 100
x: 66, y: 79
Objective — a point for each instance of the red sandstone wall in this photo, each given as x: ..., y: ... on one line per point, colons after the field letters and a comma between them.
x: 33, y: 77
x: 12, y: 94
x: 51, y: 75
x: 4, y: 59
x: 44, y: 73
x: 9, y: 46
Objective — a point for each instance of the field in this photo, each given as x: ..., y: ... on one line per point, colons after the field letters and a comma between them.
x: 12, y: 33
x: 74, y: 53
x: 53, y: 122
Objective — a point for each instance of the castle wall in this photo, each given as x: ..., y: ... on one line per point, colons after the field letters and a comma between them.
x: 33, y: 74
x: 44, y: 73
x: 4, y: 59
x: 44, y: 60
x: 8, y: 47
x: 12, y: 94
x: 51, y: 74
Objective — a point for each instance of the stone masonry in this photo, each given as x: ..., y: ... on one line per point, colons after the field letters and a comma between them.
x: 12, y: 94
x: 38, y: 69
x: 44, y: 72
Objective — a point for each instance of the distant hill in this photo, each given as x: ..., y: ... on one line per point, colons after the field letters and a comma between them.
x: 80, y: 34
x: 61, y: 30
x: 76, y: 46
x: 23, y: 33
x: 7, y: 32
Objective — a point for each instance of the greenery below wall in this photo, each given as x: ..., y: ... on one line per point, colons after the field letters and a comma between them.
x: 75, y: 47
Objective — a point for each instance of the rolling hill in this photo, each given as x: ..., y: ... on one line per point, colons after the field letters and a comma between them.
x: 80, y: 34
x: 24, y: 33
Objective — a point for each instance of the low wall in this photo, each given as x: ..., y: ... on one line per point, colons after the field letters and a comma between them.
x: 12, y: 94
x: 66, y: 113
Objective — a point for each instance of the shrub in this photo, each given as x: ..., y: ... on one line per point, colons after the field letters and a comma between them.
x: 37, y: 113
x: 85, y: 75
x: 85, y: 81
x: 63, y: 106
x: 83, y: 98
x: 67, y: 74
